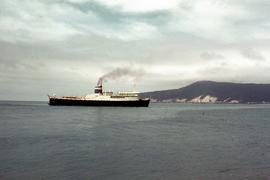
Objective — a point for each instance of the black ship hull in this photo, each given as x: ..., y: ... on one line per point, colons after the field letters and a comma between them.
x: 79, y: 102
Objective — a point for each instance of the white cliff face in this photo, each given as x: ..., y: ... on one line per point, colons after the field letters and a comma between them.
x: 234, y: 102
x: 205, y: 99
x: 209, y: 99
x: 181, y: 100
x: 196, y: 100
x: 231, y: 101
x: 200, y: 99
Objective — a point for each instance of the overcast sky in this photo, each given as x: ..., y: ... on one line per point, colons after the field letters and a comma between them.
x: 64, y: 46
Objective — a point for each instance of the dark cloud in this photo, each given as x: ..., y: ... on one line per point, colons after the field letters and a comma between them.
x: 113, y: 15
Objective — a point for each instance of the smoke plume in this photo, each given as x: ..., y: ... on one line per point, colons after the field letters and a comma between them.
x: 124, y: 72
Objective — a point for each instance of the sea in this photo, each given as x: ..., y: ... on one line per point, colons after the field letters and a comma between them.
x: 164, y: 141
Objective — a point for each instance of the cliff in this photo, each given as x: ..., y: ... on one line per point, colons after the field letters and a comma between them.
x: 214, y: 92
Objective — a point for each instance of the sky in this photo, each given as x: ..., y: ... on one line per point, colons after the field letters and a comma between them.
x: 64, y: 46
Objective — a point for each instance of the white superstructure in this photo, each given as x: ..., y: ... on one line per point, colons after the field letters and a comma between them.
x: 109, y: 96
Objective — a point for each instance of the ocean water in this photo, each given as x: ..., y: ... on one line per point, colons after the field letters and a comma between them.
x: 163, y: 141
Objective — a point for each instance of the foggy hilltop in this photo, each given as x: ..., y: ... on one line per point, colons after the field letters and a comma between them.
x: 214, y: 92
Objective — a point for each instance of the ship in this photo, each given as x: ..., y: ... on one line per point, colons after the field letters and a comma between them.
x: 101, y: 98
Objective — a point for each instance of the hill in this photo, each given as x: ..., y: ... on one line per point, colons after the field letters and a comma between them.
x: 214, y: 92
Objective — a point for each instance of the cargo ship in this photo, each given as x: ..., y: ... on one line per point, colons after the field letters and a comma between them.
x: 101, y: 98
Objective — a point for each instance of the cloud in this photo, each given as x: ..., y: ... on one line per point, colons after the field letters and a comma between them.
x: 33, y: 21
x: 141, y: 5
x: 48, y: 45
x: 211, y: 55
x: 252, y: 54
x: 126, y: 20
x: 40, y: 21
